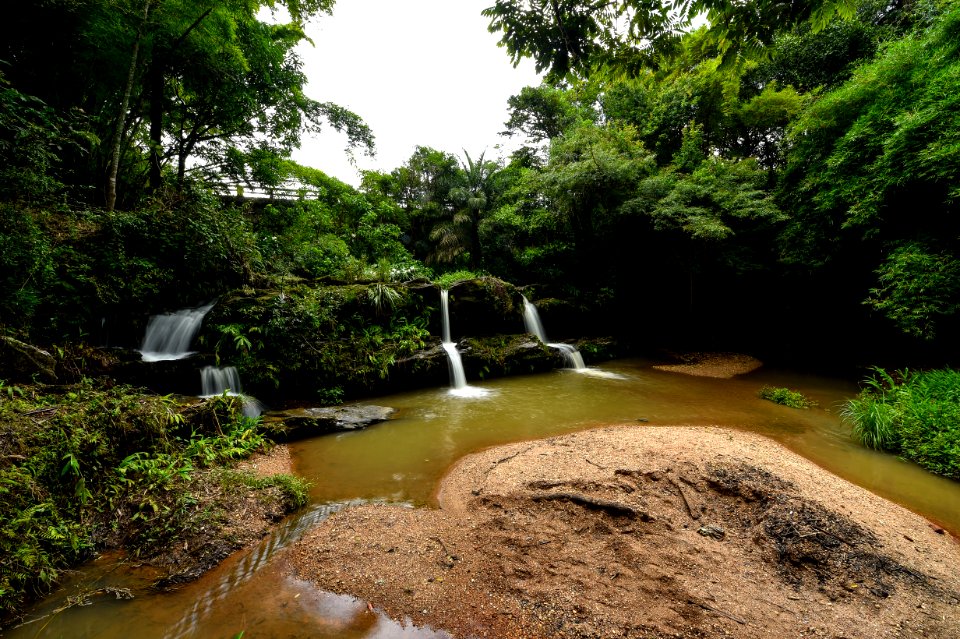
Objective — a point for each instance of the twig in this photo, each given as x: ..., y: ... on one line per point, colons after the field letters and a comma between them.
x: 594, y: 464
x: 39, y: 411
x: 773, y: 603
x: 442, y: 545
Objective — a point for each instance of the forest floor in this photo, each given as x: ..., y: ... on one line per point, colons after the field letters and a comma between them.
x: 631, y: 531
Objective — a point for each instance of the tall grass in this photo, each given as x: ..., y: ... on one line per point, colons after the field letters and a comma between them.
x: 913, y: 414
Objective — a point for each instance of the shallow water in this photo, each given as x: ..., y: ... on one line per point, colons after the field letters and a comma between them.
x: 403, y: 460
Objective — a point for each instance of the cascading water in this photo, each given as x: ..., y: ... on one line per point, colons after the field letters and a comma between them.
x: 531, y: 321
x: 169, y: 336
x: 458, y: 378
x: 216, y: 381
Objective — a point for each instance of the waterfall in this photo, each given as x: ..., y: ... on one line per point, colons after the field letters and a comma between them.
x: 169, y: 336
x: 458, y: 377
x: 531, y: 321
x: 216, y: 381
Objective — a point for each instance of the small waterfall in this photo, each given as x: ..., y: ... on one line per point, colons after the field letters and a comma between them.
x: 531, y: 321
x: 216, y: 381
x: 458, y: 377
x: 169, y: 336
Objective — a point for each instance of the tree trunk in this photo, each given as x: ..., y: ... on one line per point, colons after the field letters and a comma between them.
x: 115, y: 144
x: 155, y: 79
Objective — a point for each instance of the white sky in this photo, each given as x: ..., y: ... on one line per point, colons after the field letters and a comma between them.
x: 419, y: 72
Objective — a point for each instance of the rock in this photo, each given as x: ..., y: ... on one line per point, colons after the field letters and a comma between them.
x: 485, y: 307
x: 21, y: 362
x: 299, y: 423
x: 507, y: 355
x: 181, y: 376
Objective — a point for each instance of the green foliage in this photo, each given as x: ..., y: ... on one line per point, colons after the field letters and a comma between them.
x: 313, y: 339
x: 295, y: 490
x: 785, y: 397
x: 913, y: 414
x: 871, y: 179
x: 449, y: 279
x: 917, y: 287
x: 81, y: 461
x: 709, y: 202
x: 577, y: 37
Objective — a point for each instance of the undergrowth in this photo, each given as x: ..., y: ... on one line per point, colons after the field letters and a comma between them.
x: 82, y: 467
x: 915, y: 414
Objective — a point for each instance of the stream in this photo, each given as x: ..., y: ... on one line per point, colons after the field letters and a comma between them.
x: 403, y: 460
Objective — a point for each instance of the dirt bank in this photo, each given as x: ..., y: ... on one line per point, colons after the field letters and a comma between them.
x: 645, y: 532
x: 227, y: 516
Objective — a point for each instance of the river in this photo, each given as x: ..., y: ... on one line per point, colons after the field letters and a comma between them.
x: 404, y: 459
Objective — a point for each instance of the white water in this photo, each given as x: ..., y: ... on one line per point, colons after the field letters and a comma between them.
x: 216, y: 381
x: 458, y: 377
x: 531, y: 321
x: 169, y: 336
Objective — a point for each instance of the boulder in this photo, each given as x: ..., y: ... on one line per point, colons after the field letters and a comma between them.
x: 299, y: 423
x: 23, y: 363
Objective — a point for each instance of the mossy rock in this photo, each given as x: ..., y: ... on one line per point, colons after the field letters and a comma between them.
x: 24, y: 363
x: 299, y: 423
x: 485, y: 357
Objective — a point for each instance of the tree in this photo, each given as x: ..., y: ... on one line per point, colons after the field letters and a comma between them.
x: 872, y: 177
x: 170, y: 85
x: 471, y: 198
x: 575, y: 36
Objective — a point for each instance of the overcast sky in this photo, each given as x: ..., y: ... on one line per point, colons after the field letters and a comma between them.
x: 419, y: 72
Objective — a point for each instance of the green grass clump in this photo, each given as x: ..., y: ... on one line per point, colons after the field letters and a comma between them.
x: 913, y: 414
x: 447, y: 280
x: 785, y: 397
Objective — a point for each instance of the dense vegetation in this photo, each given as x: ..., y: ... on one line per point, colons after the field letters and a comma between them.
x: 783, y: 180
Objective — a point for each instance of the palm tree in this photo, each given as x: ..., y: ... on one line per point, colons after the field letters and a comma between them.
x: 471, y: 199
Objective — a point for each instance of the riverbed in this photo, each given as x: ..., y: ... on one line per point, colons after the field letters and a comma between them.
x: 404, y: 459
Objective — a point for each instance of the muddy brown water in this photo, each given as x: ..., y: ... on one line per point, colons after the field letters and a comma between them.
x: 403, y: 460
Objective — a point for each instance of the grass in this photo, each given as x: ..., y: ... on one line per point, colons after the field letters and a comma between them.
x: 785, y: 397
x: 915, y: 414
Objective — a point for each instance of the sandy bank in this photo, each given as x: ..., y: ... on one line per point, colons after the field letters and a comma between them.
x: 645, y: 532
